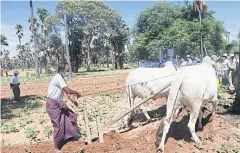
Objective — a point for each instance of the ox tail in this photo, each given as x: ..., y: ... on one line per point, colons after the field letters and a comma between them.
x: 172, y: 97
x: 129, y: 95
x: 129, y: 91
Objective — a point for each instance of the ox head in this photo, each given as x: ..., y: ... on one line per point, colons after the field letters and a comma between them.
x: 208, y: 60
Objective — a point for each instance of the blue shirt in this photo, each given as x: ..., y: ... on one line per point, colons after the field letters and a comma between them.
x: 194, y: 62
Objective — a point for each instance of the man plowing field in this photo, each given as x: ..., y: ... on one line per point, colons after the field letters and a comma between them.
x: 64, y: 120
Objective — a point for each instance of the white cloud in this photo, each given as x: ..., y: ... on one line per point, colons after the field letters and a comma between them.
x: 234, y: 30
x: 9, y: 32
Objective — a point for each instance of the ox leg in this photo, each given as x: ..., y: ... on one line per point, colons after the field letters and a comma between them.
x: 166, y: 122
x: 200, y: 126
x: 192, y: 121
x: 177, y: 111
x: 145, y: 112
x: 179, y: 105
x: 214, y: 103
x: 127, y: 120
x: 146, y: 115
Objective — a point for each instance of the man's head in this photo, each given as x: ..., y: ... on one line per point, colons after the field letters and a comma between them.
x: 61, y: 69
x: 224, y: 55
x: 188, y: 57
x: 198, y: 60
x: 15, y: 73
x: 236, y: 54
x: 192, y: 57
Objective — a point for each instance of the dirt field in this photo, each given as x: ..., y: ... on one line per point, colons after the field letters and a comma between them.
x: 26, y: 126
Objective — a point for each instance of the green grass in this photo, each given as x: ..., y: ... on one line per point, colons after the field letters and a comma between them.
x: 25, y: 79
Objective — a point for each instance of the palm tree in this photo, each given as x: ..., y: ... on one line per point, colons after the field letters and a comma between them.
x: 19, y: 33
x: 42, y: 13
x: 3, y: 40
x: 34, y: 39
x: 200, y: 7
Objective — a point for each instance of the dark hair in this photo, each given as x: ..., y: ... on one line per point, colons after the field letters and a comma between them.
x: 61, y: 68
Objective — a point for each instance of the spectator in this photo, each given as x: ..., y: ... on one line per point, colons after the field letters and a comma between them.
x: 188, y: 60
x: 14, y: 85
x: 226, y: 69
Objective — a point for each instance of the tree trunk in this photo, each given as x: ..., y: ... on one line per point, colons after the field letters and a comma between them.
x: 88, y: 57
x: 116, y: 57
x: 20, y: 41
x: 40, y: 68
x: 22, y: 65
x: 201, y: 41
x: 112, y: 57
x: 34, y: 41
x: 107, y: 62
x: 116, y: 66
x: 121, y: 62
x: 67, y: 45
x: 237, y: 98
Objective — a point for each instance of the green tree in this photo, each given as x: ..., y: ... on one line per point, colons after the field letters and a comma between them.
x: 3, y: 40
x: 5, y: 60
x: 19, y: 32
x: 87, y: 20
x: 164, y: 26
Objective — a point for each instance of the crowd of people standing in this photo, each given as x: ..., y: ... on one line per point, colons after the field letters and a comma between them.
x: 178, y: 62
x: 229, y: 65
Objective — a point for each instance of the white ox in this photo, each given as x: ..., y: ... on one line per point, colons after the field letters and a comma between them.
x: 192, y: 87
x: 143, y: 82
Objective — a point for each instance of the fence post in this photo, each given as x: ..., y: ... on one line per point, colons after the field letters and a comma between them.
x: 89, y: 139
x: 99, y: 126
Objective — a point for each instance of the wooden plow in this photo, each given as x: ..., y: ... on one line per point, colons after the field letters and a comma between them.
x: 101, y: 127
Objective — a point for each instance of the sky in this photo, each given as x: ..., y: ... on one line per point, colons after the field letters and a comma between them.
x: 18, y: 12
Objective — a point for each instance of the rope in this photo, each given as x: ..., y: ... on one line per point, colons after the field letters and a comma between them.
x: 149, y: 80
x: 96, y: 93
x: 127, y: 86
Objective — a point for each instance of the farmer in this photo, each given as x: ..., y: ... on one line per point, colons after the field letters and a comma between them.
x: 14, y: 85
x: 189, y: 60
x: 226, y: 69
x: 64, y: 120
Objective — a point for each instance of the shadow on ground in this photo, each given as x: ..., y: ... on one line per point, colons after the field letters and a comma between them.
x: 8, y: 107
x: 178, y: 129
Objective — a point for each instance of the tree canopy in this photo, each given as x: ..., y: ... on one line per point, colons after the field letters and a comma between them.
x: 164, y: 25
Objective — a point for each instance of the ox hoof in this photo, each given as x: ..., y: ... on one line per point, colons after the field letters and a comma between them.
x: 159, y: 150
x: 156, y: 144
x: 200, y: 129
x: 211, y: 118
